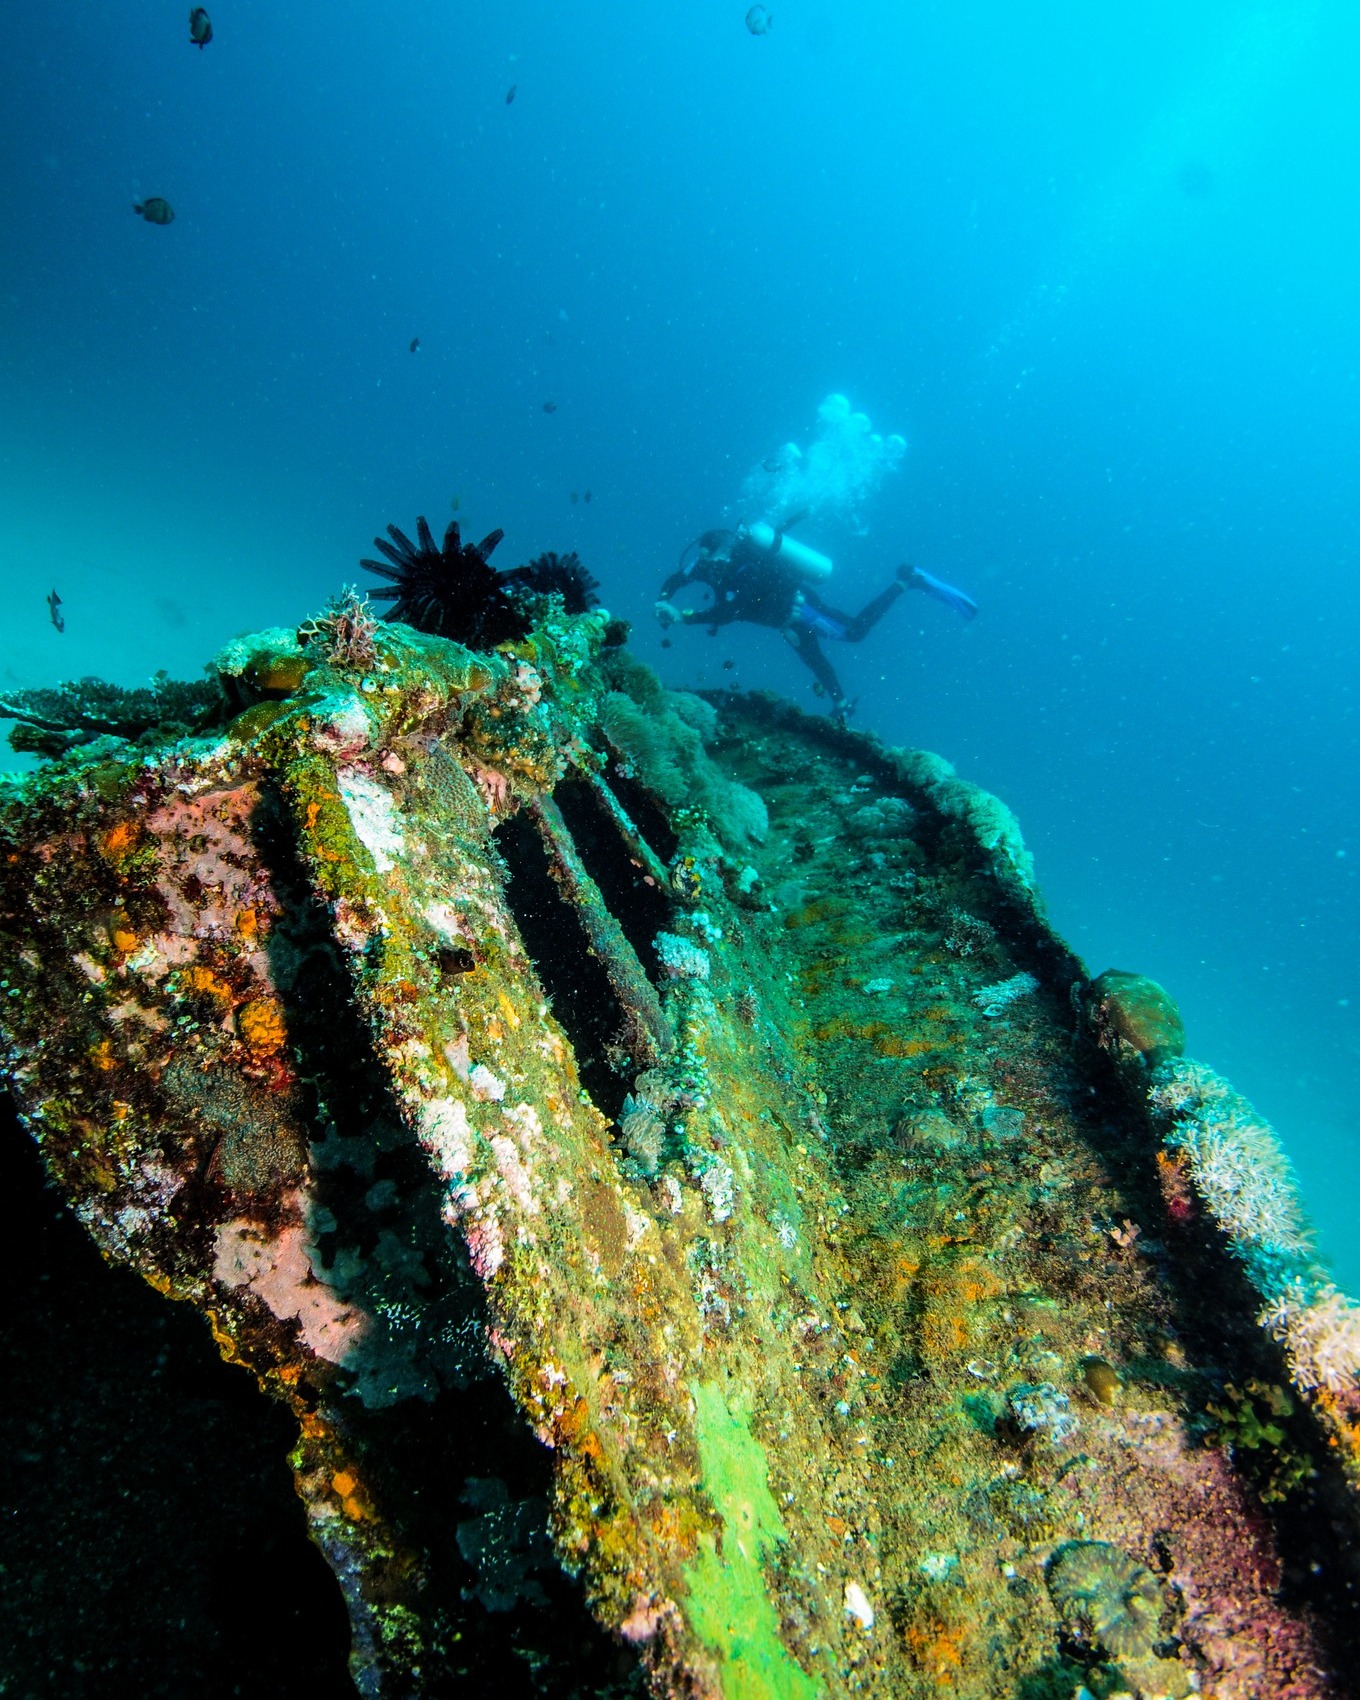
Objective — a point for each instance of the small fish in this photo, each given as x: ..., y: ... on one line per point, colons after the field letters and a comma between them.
x: 575, y: 496
x: 456, y: 503
x: 550, y: 407
x: 586, y: 497
x: 415, y: 344
x: 155, y: 210
x: 54, y: 609
x: 510, y: 94
x: 200, y: 27
x: 759, y: 21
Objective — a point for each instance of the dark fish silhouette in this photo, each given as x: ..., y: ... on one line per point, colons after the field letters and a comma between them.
x: 415, y: 344
x: 550, y: 407
x: 510, y: 94
x: 54, y: 609
x: 758, y: 21
x: 586, y: 496
x: 155, y: 210
x: 200, y: 27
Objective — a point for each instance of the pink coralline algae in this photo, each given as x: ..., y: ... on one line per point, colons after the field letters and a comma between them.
x: 275, y: 1268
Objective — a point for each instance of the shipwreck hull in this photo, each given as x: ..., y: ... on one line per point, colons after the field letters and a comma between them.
x: 710, y: 1233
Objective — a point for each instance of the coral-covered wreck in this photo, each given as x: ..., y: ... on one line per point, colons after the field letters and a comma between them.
x: 498, y: 1037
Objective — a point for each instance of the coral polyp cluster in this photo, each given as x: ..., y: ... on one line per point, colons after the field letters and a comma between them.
x: 1108, y: 1601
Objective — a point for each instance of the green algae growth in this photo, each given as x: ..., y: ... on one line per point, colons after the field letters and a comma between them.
x: 729, y: 1602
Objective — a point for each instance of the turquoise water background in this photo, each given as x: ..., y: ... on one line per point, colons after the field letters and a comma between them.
x: 1097, y: 265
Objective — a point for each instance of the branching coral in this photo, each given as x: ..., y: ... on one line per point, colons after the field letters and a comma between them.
x: 987, y: 819
x: 1040, y: 1409
x: 54, y: 720
x: 1248, y: 1186
x: 994, y: 1000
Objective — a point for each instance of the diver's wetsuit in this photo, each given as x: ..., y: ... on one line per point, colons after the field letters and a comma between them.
x: 749, y: 584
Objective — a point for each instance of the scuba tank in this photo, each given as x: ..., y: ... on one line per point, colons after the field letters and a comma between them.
x: 797, y: 557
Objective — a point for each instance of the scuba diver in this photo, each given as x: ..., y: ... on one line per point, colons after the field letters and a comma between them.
x: 760, y: 574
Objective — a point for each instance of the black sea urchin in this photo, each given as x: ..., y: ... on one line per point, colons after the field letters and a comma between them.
x: 453, y: 592
x: 562, y: 575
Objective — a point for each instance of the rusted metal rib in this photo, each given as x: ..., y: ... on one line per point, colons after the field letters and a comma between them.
x: 650, y: 1034
x: 636, y: 843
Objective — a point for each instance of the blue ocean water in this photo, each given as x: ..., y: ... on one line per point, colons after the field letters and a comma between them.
x: 1098, y: 266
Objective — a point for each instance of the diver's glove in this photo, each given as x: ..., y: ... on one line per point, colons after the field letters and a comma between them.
x: 667, y: 613
x: 958, y: 600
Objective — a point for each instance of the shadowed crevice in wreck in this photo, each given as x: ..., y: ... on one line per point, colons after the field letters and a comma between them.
x: 640, y: 907
x: 583, y: 999
x: 450, y: 1460
x: 152, y: 1544
x: 644, y: 811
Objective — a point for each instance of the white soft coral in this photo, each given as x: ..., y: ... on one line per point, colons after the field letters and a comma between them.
x: 1321, y: 1333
